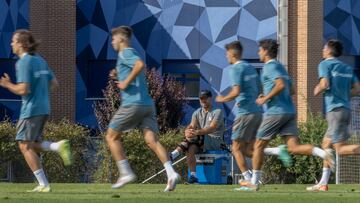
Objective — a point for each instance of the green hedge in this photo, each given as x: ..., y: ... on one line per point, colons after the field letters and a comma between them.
x: 53, y: 165
x: 143, y: 161
x: 8, y: 147
x: 9, y: 151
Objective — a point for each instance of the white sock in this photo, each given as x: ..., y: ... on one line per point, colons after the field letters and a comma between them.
x: 272, y: 151
x: 193, y: 174
x: 175, y: 154
x: 247, y: 175
x: 50, y: 146
x: 325, y: 176
x: 169, y: 169
x: 256, y: 177
x: 124, y: 167
x: 41, y: 178
x: 319, y: 152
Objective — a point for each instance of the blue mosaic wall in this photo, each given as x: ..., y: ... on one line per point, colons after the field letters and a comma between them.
x: 14, y: 14
x: 176, y: 29
x: 342, y: 21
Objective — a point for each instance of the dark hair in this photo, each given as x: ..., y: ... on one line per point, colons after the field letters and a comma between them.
x: 335, y: 46
x: 235, y: 46
x: 27, y: 40
x: 271, y: 46
x: 205, y: 94
x: 125, y: 31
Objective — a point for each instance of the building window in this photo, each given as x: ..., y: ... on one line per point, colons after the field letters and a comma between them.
x: 8, y: 66
x: 357, y: 66
x: 97, y: 78
x: 185, y: 71
x: 257, y: 64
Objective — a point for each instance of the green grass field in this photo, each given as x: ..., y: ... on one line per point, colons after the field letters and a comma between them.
x: 152, y: 193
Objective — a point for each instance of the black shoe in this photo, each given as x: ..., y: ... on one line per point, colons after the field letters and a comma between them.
x: 171, y: 158
x: 192, y: 180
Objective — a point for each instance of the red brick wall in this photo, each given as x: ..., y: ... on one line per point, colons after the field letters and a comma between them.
x: 54, y: 23
x: 305, y: 45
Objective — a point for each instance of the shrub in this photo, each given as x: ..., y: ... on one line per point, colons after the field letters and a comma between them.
x: 105, y: 109
x: 9, y: 151
x: 167, y: 93
x: 142, y: 160
x: 53, y: 165
x: 8, y: 148
x: 169, y: 97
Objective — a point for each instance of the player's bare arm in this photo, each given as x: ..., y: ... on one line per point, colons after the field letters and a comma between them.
x: 139, y: 65
x: 54, y: 84
x: 20, y: 89
x: 355, y: 89
x: 191, y: 128
x: 235, y: 91
x: 113, y: 74
x: 321, y: 86
x: 205, y: 131
x: 279, y: 86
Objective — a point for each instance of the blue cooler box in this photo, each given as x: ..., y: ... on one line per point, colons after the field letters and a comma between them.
x: 213, y: 167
